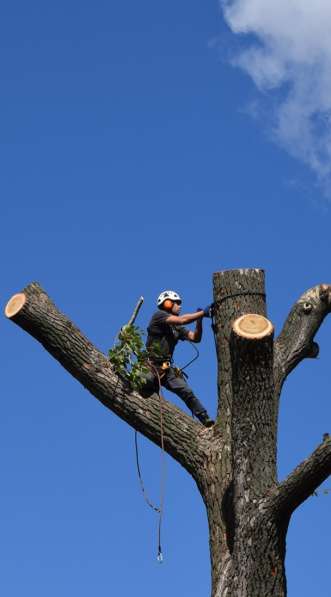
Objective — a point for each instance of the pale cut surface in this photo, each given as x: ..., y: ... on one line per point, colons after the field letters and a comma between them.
x: 15, y: 304
x: 253, y: 326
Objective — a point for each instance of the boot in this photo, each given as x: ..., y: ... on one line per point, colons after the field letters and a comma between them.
x: 205, y: 419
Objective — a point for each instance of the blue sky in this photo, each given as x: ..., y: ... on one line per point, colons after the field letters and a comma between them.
x: 130, y: 164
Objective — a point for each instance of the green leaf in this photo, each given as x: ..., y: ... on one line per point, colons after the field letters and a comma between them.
x: 129, y: 356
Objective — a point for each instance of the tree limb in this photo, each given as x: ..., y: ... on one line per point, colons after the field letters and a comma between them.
x: 304, y: 480
x: 136, y: 311
x: 296, y: 340
x: 34, y: 311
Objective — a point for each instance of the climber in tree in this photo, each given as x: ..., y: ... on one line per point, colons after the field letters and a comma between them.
x: 164, y: 330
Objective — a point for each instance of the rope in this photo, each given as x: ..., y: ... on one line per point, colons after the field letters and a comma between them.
x: 197, y: 354
x: 158, y: 509
x: 242, y: 293
x: 163, y: 474
x: 224, y: 298
x: 213, y: 327
x: 146, y: 498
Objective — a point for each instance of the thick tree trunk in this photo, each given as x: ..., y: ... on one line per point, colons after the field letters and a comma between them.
x: 234, y: 462
x: 247, y: 544
x: 239, y: 483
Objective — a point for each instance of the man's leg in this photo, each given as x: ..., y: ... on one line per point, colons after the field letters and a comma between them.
x: 178, y: 385
x: 151, y: 384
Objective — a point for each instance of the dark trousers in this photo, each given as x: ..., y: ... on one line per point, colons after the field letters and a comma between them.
x: 176, y: 384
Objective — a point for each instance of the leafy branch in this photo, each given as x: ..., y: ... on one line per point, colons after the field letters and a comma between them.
x: 129, y: 356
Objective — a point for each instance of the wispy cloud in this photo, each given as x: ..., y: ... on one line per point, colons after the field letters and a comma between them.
x: 287, y: 52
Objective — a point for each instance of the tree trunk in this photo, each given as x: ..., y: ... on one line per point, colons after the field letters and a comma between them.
x: 234, y: 462
x: 247, y: 544
x: 247, y: 528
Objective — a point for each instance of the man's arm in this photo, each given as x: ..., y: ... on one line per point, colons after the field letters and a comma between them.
x: 185, y: 319
x: 196, y: 335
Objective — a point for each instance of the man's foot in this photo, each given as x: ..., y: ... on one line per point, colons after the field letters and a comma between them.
x: 205, y: 419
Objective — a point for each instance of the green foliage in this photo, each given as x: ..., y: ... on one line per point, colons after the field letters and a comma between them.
x: 129, y: 356
x: 155, y: 352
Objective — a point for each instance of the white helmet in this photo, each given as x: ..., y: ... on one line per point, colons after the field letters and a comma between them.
x: 168, y: 294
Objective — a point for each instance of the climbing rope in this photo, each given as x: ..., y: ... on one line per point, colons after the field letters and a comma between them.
x: 194, y: 358
x: 143, y: 490
x: 213, y: 327
x: 158, y: 509
x: 240, y: 293
x: 227, y: 296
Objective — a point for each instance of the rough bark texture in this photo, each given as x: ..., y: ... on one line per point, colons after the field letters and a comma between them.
x: 233, y: 463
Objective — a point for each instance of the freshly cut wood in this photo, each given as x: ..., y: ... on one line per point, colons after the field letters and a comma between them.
x: 15, y: 304
x: 253, y: 326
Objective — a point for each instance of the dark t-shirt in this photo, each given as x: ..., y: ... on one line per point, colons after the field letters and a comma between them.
x: 162, y: 337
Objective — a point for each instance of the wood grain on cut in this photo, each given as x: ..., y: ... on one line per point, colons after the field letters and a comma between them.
x: 15, y: 304
x: 253, y: 326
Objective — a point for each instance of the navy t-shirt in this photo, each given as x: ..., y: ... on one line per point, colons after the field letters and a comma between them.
x: 163, y: 336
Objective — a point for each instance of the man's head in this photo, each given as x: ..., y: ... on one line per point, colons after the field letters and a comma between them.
x: 170, y: 301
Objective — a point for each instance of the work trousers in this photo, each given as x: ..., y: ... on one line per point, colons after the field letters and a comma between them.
x: 176, y: 384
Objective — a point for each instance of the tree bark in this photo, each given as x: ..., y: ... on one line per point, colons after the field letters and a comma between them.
x: 234, y: 462
x: 296, y: 341
x: 34, y: 311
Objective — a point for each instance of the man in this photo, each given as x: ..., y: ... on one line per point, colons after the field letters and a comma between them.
x: 164, y: 330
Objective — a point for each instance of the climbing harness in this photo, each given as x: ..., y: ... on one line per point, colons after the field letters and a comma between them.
x: 164, y: 367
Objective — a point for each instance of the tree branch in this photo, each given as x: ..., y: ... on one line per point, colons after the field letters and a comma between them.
x: 136, y: 311
x: 296, y: 340
x: 304, y: 480
x: 34, y: 311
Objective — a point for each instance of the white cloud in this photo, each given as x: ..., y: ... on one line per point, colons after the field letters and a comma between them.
x: 288, y: 55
